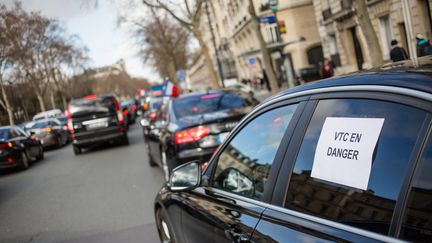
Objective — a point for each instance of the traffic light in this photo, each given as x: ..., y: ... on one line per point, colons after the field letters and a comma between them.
x: 281, y: 25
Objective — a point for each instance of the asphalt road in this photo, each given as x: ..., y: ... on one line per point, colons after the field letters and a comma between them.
x: 103, y: 195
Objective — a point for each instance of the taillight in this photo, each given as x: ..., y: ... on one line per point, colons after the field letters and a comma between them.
x: 191, y: 135
x: 125, y: 112
x: 6, y: 145
x: 134, y: 107
x: 69, y: 124
x: 48, y: 129
x: 152, y: 115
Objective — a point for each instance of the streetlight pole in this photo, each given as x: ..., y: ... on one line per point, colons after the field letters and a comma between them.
x: 221, y: 76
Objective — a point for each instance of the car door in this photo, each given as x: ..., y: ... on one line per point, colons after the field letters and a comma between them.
x: 18, y: 135
x: 311, y: 203
x: 228, y: 205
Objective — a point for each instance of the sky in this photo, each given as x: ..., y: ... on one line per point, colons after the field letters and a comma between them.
x: 98, y: 29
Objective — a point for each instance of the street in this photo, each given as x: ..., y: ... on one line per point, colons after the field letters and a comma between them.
x: 104, y: 195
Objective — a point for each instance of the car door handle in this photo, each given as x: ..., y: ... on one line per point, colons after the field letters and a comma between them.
x: 236, y: 236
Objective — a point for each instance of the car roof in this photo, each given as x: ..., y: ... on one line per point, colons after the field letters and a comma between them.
x: 420, y: 80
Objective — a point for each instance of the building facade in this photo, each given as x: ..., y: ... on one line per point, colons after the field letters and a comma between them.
x: 292, y: 53
x: 344, y: 42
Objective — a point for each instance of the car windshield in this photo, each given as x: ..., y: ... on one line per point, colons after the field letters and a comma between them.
x: 207, y: 103
x: 38, y: 124
x: 4, y: 134
x: 155, y: 103
x: 62, y: 119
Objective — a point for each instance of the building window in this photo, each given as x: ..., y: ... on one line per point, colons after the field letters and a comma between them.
x: 386, y: 34
x: 334, y: 53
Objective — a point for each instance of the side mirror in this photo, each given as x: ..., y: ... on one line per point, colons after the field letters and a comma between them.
x: 144, y: 123
x: 32, y: 133
x: 185, y: 177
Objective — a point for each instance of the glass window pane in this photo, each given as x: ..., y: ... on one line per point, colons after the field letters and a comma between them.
x: 370, y: 209
x: 417, y: 222
x: 244, y: 165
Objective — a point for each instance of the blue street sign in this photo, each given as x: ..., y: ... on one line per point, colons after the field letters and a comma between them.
x: 268, y: 19
x: 181, y: 75
x: 251, y: 60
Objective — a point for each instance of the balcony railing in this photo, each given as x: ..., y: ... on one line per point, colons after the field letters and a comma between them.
x: 326, y: 14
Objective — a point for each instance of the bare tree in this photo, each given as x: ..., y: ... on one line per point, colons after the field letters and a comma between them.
x: 163, y: 43
x: 264, y: 52
x: 188, y: 14
x: 370, y: 35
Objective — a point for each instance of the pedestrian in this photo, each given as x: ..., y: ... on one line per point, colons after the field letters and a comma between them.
x: 397, y: 53
x: 423, y: 46
x: 327, y: 70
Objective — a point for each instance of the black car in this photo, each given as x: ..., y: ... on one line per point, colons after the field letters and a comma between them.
x: 96, y: 119
x: 151, y: 113
x: 129, y: 109
x: 347, y: 159
x: 50, y: 132
x: 192, y: 126
x: 17, y: 148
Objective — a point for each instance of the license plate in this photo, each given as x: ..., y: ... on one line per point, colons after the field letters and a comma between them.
x: 222, y: 136
x: 97, y: 125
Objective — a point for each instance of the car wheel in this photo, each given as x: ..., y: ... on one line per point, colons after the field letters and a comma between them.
x: 125, y: 140
x: 152, y: 163
x: 164, y: 228
x: 59, y: 142
x: 40, y: 154
x: 24, y: 161
x: 77, y: 150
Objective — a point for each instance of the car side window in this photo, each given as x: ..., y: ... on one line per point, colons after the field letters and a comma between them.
x: 244, y: 165
x: 369, y: 209
x: 417, y: 220
x: 22, y: 132
x: 14, y: 133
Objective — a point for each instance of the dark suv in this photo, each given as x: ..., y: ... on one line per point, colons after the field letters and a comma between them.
x: 95, y: 119
x: 347, y: 159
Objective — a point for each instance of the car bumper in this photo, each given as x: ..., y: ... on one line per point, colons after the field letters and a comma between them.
x: 203, y: 155
x: 49, y: 140
x: 4, y: 160
x: 88, y: 138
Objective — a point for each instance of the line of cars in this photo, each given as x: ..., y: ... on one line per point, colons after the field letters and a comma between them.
x: 276, y: 177
x: 191, y: 126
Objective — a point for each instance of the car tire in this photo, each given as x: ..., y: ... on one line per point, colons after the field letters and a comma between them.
x: 77, y: 150
x: 40, y: 155
x: 164, y: 227
x: 125, y: 140
x: 59, y: 142
x: 152, y: 163
x: 25, y: 161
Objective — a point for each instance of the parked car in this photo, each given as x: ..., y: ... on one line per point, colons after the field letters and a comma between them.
x: 63, y: 121
x: 49, y: 131
x: 129, y: 109
x: 348, y: 159
x: 47, y: 114
x: 96, y: 119
x: 17, y: 148
x: 150, y: 114
x: 192, y: 126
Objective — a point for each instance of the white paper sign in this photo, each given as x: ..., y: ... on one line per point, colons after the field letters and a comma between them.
x: 345, y: 149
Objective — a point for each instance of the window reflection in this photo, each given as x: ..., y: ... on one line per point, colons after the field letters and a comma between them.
x: 244, y: 165
x: 417, y: 223
x: 371, y: 209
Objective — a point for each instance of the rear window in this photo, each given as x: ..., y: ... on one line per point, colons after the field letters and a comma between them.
x: 4, y: 134
x: 155, y: 103
x: 40, y: 124
x: 98, y: 102
x: 201, y: 104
